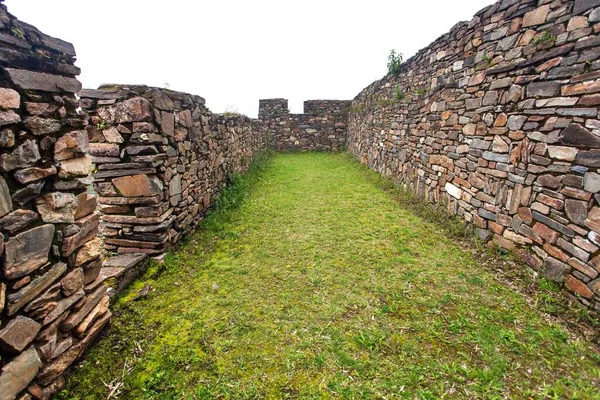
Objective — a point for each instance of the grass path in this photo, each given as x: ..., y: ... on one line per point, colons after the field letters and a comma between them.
x: 318, y: 285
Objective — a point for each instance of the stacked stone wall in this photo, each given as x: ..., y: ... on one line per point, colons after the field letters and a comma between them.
x: 49, y: 311
x: 162, y: 158
x: 322, y: 127
x: 498, y: 119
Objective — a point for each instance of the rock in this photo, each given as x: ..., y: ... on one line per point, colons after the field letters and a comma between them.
x: 28, y: 193
x: 167, y: 123
x: 593, y: 219
x: 536, y: 17
x: 76, y: 167
x: 72, y: 282
x: 100, y: 309
x: 136, y: 109
x: 9, y: 117
x: 72, y: 144
x: 86, y: 204
x: 453, y: 191
x: 578, y: 287
x: 589, y: 158
x: 591, y: 182
x: 137, y: 185
x: 516, y: 122
x: 556, y: 270
x: 112, y: 135
x: 76, y: 317
x: 7, y: 138
x: 576, y: 211
x: 126, y: 261
x: 88, y: 229
x: 584, y: 5
x: 578, y: 136
x: 88, y: 252
x: 562, y: 153
x: 29, y: 80
x: 62, y: 306
x: 543, y: 89
x: 42, y: 126
x: 9, y: 99
x: 5, y: 199
x: 27, y: 251
x: 17, y: 220
x: 57, y: 207
x: 23, y: 156
x: 18, y: 334
x: 162, y: 101
x: 33, y: 174
x: 104, y: 150
x: 18, y: 373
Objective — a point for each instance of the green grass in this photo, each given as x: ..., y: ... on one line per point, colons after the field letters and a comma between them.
x: 310, y: 281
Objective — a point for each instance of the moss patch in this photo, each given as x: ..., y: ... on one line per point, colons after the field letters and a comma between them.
x: 309, y: 281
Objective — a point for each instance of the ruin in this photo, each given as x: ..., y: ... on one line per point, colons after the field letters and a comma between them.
x: 497, y: 120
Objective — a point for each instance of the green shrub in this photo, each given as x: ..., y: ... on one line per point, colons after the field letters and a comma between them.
x: 395, y: 61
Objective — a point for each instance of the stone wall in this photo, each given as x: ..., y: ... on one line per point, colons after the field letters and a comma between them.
x: 499, y: 119
x: 322, y: 127
x: 162, y: 159
x: 49, y: 313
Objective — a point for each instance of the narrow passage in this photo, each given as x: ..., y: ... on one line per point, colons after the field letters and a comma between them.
x: 320, y: 285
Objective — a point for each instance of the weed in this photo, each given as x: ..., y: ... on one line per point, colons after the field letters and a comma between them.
x: 101, y: 125
x: 18, y: 32
x: 398, y: 95
x: 395, y: 62
x: 545, y: 38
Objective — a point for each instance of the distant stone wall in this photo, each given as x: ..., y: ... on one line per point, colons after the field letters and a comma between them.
x: 499, y: 119
x: 49, y: 310
x: 322, y: 127
x: 162, y: 158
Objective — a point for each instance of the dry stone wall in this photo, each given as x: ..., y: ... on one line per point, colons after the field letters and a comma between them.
x: 162, y: 159
x: 322, y: 127
x: 499, y: 119
x: 49, y: 313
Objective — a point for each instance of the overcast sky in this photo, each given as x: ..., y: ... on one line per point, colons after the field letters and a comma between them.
x: 235, y: 52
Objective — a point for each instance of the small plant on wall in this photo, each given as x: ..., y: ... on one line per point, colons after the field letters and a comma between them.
x: 395, y: 62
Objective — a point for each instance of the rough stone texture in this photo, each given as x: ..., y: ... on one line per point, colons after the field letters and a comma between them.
x: 322, y: 127
x: 501, y: 127
x: 44, y: 207
x: 168, y: 166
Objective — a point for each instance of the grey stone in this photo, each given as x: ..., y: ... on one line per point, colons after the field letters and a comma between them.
x: 584, y: 5
x: 18, y: 374
x: 543, y: 89
x: 27, y: 251
x: 552, y: 224
x: 556, y: 270
x: 29, y: 80
x: 17, y: 220
x: 18, y: 333
x: 23, y: 156
x: 9, y: 117
x: 578, y: 136
x: 591, y: 182
x: 42, y: 126
x: 576, y: 211
x: 516, y: 122
x: 28, y: 193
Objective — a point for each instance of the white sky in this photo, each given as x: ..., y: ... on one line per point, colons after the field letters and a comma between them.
x: 235, y: 52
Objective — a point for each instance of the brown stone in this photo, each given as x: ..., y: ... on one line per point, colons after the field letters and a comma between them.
x: 581, y: 88
x: 88, y: 229
x: 112, y: 135
x: 23, y: 156
x: 16, y: 301
x: 578, y: 136
x: 89, y: 251
x: 576, y: 211
x: 42, y: 126
x: 86, y: 204
x: 17, y: 220
x: 137, y: 186
x: 536, y: 17
x: 578, y: 287
x: 72, y: 144
x: 72, y: 282
x: 76, y: 167
x: 167, y: 123
x: 546, y: 233
x: 104, y: 150
x: 9, y: 117
x: 18, y: 373
x: 5, y: 199
x: 27, y: 251
x: 34, y: 174
x: 2, y: 296
x: 62, y: 306
x: 100, y: 309
x: 9, y: 99
x: 133, y: 110
x: 18, y: 334
x: 556, y: 270
x: 76, y: 317
x: 593, y: 219
x: 57, y: 207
